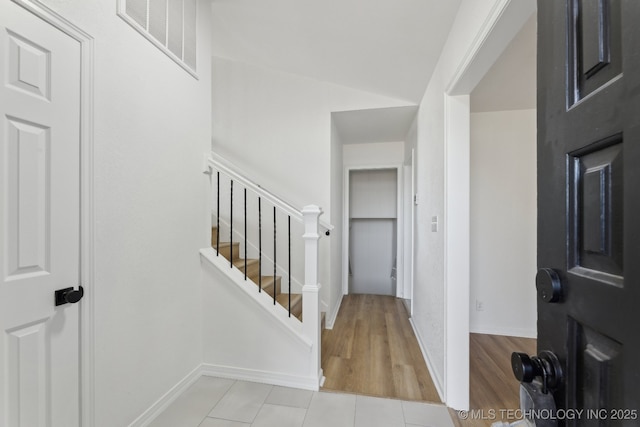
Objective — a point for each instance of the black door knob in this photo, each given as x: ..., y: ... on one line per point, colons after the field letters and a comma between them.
x: 524, y: 368
x: 548, y: 285
x: 545, y: 366
x: 69, y: 295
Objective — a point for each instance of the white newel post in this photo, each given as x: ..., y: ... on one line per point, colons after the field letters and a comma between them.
x: 311, y: 289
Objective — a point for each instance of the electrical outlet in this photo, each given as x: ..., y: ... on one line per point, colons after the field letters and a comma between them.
x: 479, y: 305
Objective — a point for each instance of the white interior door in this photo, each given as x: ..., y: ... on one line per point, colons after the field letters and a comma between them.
x: 39, y: 212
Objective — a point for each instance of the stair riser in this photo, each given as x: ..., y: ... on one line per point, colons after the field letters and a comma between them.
x: 253, y: 271
x: 296, y: 304
x: 267, y: 285
x: 225, y: 251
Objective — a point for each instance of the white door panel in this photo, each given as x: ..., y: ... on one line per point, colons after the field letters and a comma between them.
x: 39, y: 212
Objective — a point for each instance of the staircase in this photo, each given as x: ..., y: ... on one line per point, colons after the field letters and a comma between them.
x: 251, y: 266
x: 259, y: 274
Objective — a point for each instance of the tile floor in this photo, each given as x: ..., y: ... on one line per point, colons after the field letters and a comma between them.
x: 217, y: 402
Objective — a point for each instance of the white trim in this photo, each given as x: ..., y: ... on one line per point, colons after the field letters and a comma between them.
x: 502, y: 23
x: 87, y: 313
x: 280, y: 315
x: 121, y: 12
x: 400, y: 234
x: 504, y: 331
x: 456, y: 251
x: 259, y: 376
x: 330, y: 320
x: 167, y: 399
x: 437, y: 381
x: 479, y: 40
x: 413, y: 228
x: 399, y: 223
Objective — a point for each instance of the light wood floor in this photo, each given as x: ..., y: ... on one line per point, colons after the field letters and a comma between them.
x: 492, y: 384
x: 372, y: 350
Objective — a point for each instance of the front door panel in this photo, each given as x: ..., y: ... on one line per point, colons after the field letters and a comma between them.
x: 589, y: 203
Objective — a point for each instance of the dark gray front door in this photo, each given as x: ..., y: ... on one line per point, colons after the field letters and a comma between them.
x: 589, y: 205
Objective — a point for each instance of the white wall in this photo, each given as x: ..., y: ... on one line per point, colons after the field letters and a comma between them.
x: 432, y: 308
x: 503, y: 222
x: 373, y: 193
x: 277, y: 127
x: 374, y: 154
x: 283, y: 358
x: 152, y: 125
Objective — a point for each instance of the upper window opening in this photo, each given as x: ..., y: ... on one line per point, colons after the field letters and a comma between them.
x: 168, y: 24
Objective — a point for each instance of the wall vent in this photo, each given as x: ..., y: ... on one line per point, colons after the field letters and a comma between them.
x: 169, y: 24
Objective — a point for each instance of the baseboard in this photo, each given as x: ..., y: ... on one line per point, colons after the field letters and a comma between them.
x: 167, y: 399
x: 407, y: 306
x: 504, y: 330
x: 331, y: 317
x: 437, y: 381
x: 228, y: 372
x: 257, y: 376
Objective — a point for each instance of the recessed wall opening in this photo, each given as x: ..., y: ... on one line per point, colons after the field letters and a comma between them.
x: 373, y: 231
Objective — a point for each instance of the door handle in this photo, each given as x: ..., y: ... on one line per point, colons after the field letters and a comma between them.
x: 548, y: 285
x: 545, y: 366
x: 69, y: 295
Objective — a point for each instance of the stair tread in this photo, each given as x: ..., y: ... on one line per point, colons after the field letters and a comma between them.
x: 227, y: 244
x: 269, y: 279
x: 295, y: 298
x: 240, y: 262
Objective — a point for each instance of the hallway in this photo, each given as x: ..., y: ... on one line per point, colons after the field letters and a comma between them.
x: 372, y: 350
x: 221, y: 402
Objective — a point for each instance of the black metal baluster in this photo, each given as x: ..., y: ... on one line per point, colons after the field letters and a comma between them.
x: 218, y: 217
x: 289, y: 243
x: 231, y: 229
x: 259, y: 244
x: 274, y: 256
x: 245, y: 233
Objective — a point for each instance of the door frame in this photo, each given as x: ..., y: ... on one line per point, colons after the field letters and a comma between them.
x: 399, y: 224
x: 409, y: 203
x: 500, y: 27
x: 87, y: 324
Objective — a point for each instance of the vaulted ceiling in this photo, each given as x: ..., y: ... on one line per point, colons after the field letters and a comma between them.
x: 388, y: 47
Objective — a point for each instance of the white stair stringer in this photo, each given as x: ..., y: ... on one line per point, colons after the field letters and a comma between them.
x: 245, y: 333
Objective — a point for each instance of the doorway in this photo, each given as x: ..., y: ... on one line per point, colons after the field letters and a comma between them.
x: 373, y: 239
x: 503, y: 199
x: 373, y: 214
